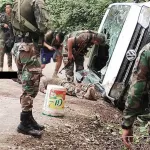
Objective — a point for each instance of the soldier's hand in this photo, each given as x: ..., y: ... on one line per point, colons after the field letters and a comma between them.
x: 127, y: 136
x: 70, y: 57
x: 5, y: 26
x: 51, y: 48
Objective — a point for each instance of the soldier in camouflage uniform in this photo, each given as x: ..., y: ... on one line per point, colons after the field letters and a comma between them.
x: 75, y: 47
x: 5, y: 33
x: 79, y: 90
x: 140, y: 83
x: 26, y: 55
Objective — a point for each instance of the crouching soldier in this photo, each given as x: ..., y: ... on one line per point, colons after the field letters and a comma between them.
x: 75, y: 47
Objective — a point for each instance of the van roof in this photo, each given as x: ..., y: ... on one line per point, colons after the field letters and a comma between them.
x: 130, y: 4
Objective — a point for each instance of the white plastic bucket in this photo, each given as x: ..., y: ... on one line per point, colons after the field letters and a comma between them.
x: 54, y: 101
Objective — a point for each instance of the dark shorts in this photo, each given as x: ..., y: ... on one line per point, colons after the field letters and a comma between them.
x: 46, y: 55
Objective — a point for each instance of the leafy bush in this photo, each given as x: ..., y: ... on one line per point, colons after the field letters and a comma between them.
x: 70, y: 15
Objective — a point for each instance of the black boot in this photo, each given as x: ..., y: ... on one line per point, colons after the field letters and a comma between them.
x: 34, y: 124
x: 26, y: 127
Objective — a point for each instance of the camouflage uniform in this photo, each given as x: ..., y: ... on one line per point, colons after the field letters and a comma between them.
x: 81, y: 91
x: 4, y: 19
x: 140, y: 83
x: 26, y: 57
x: 81, y: 43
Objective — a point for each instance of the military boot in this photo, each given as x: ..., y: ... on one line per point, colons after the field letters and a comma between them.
x: 1, y: 68
x: 25, y: 126
x: 34, y: 124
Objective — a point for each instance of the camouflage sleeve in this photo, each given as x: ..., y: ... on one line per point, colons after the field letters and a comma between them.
x: 137, y: 87
x: 41, y: 15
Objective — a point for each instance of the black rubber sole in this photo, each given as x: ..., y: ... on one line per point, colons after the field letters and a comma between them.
x: 26, y: 133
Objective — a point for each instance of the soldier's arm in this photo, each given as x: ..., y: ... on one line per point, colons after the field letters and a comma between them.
x: 46, y: 39
x: 70, y: 43
x: 41, y: 15
x: 48, y: 46
x: 138, y: 86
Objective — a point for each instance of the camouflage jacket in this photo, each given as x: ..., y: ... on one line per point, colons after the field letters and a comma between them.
x: 140, y: 83
x: 82, y: 40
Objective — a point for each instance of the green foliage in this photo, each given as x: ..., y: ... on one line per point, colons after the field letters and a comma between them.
x: 3, y: 2
x: 70, y: 15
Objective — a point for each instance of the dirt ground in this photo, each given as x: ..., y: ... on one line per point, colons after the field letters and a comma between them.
x: 81, y: 128
x: 87, y: 125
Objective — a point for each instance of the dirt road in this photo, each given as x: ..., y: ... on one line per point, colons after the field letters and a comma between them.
x: 79, y: 129
x: 87, y: 125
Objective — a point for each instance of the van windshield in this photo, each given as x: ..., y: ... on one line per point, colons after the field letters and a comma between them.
x: 114, y: 23
x: 112, y: 27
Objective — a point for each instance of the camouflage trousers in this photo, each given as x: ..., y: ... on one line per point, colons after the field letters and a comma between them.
x: 79, y: 62
x: 81, y: 91
x: 9, y: 58
x: 30, y: 69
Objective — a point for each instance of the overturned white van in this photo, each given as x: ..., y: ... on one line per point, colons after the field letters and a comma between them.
x: 127, y: 26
